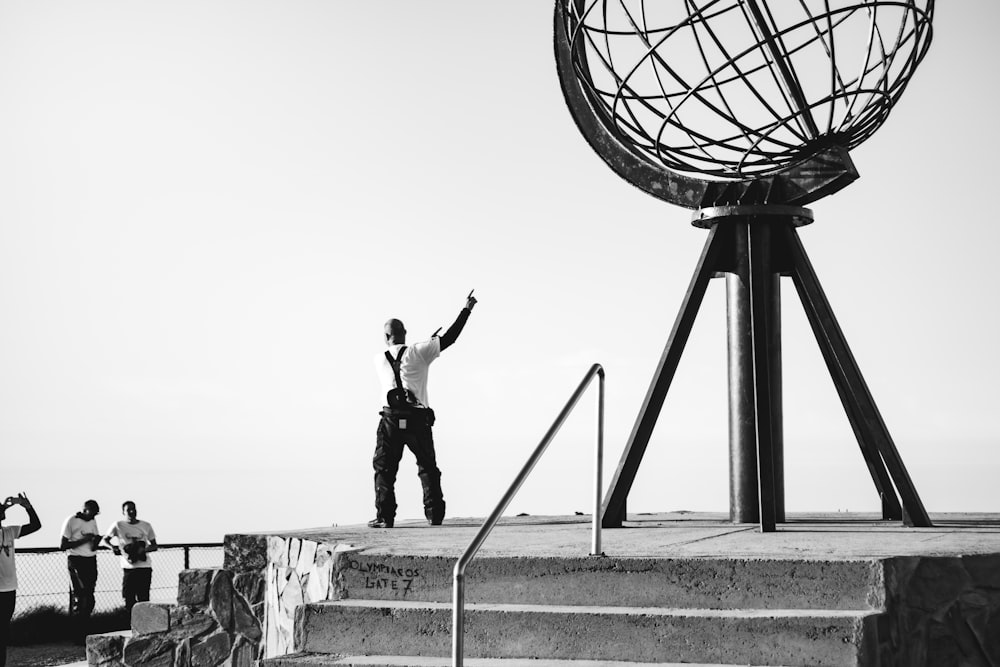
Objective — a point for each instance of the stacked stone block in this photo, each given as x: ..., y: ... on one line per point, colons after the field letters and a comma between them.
x: 213, y: 624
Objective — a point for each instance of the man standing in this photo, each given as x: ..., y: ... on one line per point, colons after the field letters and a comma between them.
x: 8, y: 571
x: 81, y: 537
x: 135, y: 539
x: 407, y: 418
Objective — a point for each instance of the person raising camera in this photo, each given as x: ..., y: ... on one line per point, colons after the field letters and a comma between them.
x: 134, y: 540
x: 407, y: 417
x: 8, y: 566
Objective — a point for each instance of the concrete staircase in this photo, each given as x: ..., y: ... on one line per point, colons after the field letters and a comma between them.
x: 580, y: 612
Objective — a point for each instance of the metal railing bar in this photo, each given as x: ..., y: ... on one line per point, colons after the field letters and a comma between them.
x: 178, y: 545
x: 458, y: 588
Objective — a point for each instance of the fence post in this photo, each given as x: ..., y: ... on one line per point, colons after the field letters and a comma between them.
x: 187, y: 558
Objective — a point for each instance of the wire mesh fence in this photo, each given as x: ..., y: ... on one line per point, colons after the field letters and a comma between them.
x: 43, y: 579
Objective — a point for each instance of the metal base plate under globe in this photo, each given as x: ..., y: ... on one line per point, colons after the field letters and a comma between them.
x: 753, y: 247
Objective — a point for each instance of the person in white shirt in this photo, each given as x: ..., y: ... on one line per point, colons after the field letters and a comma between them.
x: 134, y: 539
x: 407, y: 418
x: 8, y: 569
x: 81, y: 538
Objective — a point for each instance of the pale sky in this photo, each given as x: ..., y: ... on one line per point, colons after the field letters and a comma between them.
x: 209, y: 208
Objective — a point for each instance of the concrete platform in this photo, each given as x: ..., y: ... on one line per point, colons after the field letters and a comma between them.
x: 831, y: 588
x: 822, y: 536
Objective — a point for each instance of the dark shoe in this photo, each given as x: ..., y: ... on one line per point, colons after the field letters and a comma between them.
x: 380, y: 523
x: 434, y: 522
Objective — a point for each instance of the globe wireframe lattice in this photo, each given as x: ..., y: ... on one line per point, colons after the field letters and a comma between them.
x: 737, y: 89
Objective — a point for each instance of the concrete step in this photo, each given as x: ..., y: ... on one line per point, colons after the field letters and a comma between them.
x: 707, y: 583
x: 321, y: 660
x: 640, y: 634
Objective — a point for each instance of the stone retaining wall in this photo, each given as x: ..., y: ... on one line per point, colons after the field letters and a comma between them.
x: 228, y: 617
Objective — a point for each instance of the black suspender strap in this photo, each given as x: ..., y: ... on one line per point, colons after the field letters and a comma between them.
x: 402, y: 402
x: 396, y: 366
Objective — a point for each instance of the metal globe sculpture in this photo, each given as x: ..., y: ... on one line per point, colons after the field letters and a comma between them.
x: 737, y: 90
x: 745, y: 111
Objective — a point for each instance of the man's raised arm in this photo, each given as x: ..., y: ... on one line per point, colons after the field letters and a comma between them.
x: 451, y: 335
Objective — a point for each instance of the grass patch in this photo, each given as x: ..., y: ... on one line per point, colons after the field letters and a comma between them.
x: 51, y: 624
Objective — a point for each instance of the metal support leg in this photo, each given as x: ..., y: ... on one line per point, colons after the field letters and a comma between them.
x: 777, y: 399
x: 761, y: 280
x: 873, y: 436
x: 614, y: 503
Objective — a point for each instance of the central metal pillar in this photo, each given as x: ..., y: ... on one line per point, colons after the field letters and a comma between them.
x: 753, y: 291
x: 744, y: 485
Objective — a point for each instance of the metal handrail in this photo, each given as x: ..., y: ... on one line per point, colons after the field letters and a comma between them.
x: 458, y: 588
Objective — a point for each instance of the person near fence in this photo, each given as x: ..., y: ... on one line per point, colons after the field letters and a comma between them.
x: 8, y: 570
x: 407, y: 418
x: 81, y: 538
x: 133, y: 539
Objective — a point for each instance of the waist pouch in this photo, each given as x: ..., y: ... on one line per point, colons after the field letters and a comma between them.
x: 413, y: 415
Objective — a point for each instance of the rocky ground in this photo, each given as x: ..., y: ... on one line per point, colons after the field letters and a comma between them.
x: 45, y: 655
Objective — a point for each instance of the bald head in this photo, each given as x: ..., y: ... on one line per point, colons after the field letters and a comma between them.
x: 395, y: 332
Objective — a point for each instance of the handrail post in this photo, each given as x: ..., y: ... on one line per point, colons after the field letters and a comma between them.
x: 458, y: 586
x: 458, y: 618
x: 595, y: 546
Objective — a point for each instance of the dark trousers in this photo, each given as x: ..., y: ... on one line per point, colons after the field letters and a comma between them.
x: 392, y: 437
x: 135, y: 586
x: 83, y: 579
x: 6, y: 613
